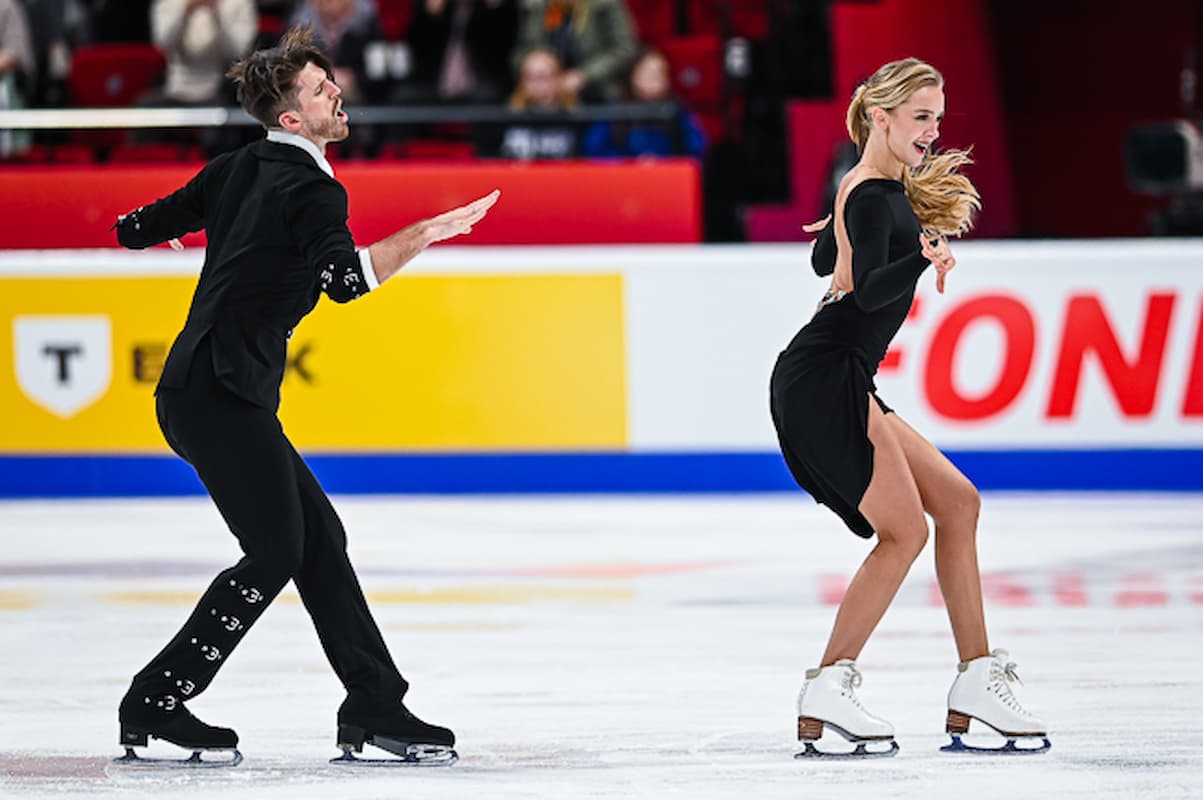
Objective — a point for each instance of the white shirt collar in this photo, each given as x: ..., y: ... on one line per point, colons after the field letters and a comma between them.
x: 296, y: 140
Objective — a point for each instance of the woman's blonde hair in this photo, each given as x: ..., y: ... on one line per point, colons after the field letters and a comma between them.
x: 944, y: 200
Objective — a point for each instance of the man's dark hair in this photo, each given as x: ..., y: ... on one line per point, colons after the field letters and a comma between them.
x: 267, y: 79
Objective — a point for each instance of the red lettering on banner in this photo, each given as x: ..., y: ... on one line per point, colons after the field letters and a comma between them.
x: 1192, y: 404
x: 1087, y: 329
x: 1019, y: 331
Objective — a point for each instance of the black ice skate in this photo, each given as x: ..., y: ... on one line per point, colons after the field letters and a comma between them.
x: 395, y: 729
x: 163, y: 716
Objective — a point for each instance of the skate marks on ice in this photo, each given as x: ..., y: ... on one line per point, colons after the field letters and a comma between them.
x: 622, y: 674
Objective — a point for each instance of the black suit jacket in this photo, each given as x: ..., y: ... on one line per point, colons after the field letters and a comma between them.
x: 277, y: 237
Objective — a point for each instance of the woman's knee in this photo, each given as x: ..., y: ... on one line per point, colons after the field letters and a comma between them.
x: 960, y: 507
x: 908, y: 539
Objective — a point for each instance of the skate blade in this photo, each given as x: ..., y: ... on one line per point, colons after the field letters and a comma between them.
x: 1011, y: 748
x: 194, y: 761
x: 408, y: 755
x: 860, y: 751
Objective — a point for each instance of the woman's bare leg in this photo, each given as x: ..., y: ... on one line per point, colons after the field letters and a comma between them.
x: 953, y: 503
x: 893, y: 507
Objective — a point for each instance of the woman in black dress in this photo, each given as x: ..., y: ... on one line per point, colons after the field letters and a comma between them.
x: 893, y: 213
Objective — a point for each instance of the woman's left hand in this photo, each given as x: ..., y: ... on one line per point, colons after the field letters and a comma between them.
x: 937, y: 251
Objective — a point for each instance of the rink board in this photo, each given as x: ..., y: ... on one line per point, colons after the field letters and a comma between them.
x: 1069, y: 365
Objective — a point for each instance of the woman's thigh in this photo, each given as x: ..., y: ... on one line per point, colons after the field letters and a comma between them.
x: 892, y: 503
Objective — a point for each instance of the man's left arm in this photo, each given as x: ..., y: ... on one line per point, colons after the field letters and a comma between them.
x: 318, y: 215
x: 170, y: 217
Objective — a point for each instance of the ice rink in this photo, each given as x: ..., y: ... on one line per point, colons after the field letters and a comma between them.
x: 632, y: 647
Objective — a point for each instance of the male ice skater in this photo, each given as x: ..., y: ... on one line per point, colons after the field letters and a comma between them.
x: 276, y: 221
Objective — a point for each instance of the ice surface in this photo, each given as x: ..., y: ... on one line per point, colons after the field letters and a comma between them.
x: 645, y: 648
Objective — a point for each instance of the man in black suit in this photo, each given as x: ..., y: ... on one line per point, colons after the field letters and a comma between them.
x: 275, y: 218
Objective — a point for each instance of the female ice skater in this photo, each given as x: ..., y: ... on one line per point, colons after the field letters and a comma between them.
x: 893, y: 213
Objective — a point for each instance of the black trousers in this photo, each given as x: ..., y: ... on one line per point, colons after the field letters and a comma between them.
x: 286, y: 528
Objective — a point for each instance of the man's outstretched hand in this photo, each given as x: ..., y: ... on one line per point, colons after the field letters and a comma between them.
x: 459, y: 221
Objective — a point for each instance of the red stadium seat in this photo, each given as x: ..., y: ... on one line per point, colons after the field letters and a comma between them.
x: 394, y: 16
x: 427, y: 150
x: 748, y: 18
x: 696, y: 65
x: 154, y: 153
x: 69, y: 154
x: 107, y: 75
x: 655, y: 20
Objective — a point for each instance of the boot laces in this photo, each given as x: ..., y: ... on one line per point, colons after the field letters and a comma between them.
x: 850, y: 680
x: 1002, y: 673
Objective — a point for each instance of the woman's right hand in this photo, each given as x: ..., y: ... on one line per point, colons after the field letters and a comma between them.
x: 937, y: 251
x: 815, y: 227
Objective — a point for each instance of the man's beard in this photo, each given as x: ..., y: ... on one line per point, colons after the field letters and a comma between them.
x: 330, y: 129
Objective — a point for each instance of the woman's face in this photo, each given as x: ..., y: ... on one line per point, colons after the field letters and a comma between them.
x: 914, y: 126
x: 540, y: 78
x: 649, y: 80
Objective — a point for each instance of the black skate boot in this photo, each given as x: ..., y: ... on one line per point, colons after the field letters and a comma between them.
x: 163, y: 716
x: 394, y: 728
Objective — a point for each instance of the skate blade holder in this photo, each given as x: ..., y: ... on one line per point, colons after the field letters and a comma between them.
x: 861, y: 750
x: 1012, y: 747
x: 194, y: 761
x: 861, y: 747
x: 959, y: 726
x: 408, y: 755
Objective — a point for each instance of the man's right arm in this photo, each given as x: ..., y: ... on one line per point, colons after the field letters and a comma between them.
x: 389, y: 255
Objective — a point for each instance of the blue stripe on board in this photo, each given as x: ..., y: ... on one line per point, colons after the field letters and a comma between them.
x: 478, y: 473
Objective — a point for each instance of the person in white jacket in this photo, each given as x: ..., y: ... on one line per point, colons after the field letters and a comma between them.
x: 199, y: 39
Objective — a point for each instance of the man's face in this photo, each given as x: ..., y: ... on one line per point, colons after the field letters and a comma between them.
x: 321, y: 116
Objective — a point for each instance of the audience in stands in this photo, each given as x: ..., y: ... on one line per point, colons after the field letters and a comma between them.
x: 561, y: 52
x: 540, y: 130
x: 649, y: 83
x: 461, y: 50
x: 120, y: 20
x: 593, y: 39
x: 56, y: 28
x: 200, y: 39
x: 345, y: 29
x: 17, y: 71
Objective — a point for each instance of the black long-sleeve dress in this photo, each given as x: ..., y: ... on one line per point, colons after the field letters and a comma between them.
x: 821, y: 384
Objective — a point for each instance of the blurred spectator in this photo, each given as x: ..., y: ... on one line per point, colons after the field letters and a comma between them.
x: 593, y: 39
x: 120, y: 20
x: 541, y: 100
x: 16, y: 70
x: 199, y: 40
x: 345, y: 29
x: 461, y: 50
x: 56, y: 28
x: 681, y: 135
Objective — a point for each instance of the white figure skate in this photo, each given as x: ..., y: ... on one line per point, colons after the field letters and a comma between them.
x: 982, y: 691
x: 828, y: 698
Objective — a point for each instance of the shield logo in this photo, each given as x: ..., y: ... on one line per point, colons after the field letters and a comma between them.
x: 64, y: 364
